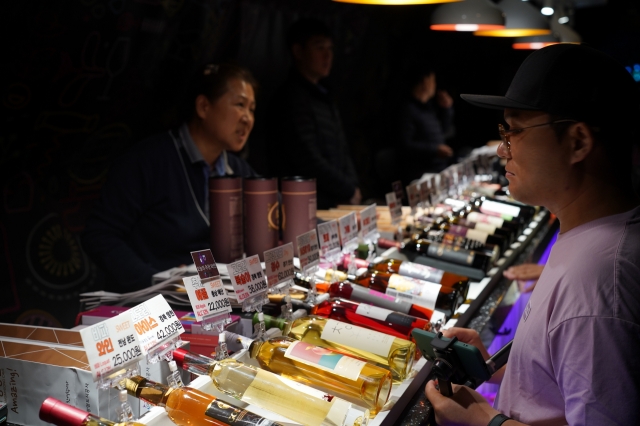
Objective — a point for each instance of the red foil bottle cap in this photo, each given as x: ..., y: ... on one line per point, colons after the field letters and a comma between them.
x: 178, y: 356
x: 61, y: 414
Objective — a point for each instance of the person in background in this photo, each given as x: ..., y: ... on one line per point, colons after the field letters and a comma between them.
x: 424, y: 118
x: 154, y: 209
x: 570, y: 111
x: 304, y: 130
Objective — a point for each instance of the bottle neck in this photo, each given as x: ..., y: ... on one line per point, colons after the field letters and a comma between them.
x: 146, y: 390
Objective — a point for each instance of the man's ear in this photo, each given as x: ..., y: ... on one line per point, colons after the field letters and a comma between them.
x: 202, y: 105
x: 582, y: 142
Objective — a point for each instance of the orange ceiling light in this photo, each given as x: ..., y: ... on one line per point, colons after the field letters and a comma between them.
x: 534, y: 43
x: 522, y: 20
x: 470, y: 15
x: 396, y: 2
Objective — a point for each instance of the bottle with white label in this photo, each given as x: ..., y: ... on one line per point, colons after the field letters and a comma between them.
x: 396, y: 355
x: 372, y: 317
x: 261, y: 388
x: 353, y: 380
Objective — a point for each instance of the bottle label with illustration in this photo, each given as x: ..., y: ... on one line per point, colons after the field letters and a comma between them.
x: 325, y: 360
x: 483, y: 218
x: 382, y: 314
x: 234, y: 416
x: 294, y: 400
x: 421, y: 272
x: 356, y: 337
x: 451, y: 253
x: 422, y: 293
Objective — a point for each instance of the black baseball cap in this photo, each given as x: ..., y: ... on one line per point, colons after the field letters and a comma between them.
x: 571, y: 81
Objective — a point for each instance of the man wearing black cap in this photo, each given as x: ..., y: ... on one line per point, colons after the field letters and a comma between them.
x: 571, y: 115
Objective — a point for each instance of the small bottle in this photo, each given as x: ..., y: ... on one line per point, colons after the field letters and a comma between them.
x: 191, y: 407
x: 255, y: 386
x: 372, y: 317
x: 433, y: 296
x: 351, y: 379
x: 61, y: 414
x: 396, y: 355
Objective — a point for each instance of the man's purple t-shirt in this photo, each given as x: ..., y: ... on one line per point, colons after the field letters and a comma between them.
x: 576, y: 355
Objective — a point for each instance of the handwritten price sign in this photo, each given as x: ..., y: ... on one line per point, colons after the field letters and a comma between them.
x: 279, y: 264
x: 394, y: 207
x: 348, y: 228
x: 110, y: 344
x: 368, y: 220
x: 154, y: 322
x: 329, y: 236
x: 247, y: 277
x: 209, y: 298
x: 308, y: 249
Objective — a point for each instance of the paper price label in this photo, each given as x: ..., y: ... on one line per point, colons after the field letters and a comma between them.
x: 394, y: 207
x: 329, y: 236
x: 279, y: 264
x: 308, y: 249
x: 110, y: 344
x: 398, y: 190
x: 247, y: 277
x: 424, y: 193
x: 205, y: 265
x: 208, y: 298
x: 413, y: 192
x: 368, y: 220
x: 155, y: 322
x: 348, y: 228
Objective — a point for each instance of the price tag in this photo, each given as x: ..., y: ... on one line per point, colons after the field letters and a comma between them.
x: 205, y: 265
x: 155, y: 322
x: 424, y: 194
x: 209, y: 298
x: 247, y: 277
x: 368, y: 220
x: 308, y: 249
x: 398, y: 190
x: 348, y: 228
x: 413, y: 191
x: 111, y: 344
x: 394, y: 208
x: 279, y: 264
x: 329, y: 236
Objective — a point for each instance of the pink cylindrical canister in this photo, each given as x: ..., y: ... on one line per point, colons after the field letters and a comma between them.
x: 225, y: 215
x: 261, y: 215
x: 299, y: 205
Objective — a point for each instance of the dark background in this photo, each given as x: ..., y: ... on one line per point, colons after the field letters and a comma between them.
x: 85, y: 79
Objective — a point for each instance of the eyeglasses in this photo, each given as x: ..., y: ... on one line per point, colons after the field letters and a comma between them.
x: 505, y: 134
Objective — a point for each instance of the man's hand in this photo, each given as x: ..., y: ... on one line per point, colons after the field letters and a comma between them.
x: 523, y: 274
x: 444, y: 99
x: 444, y: 151
x: 464, y: 407
x: 468, y: 336
x: 356, y: 198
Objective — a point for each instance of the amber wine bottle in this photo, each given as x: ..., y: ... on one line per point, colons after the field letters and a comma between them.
x: 256, y: 386
x: 191, y: 407
x: 354, y: 380
x: 62, y: 414
x: 396, y: 355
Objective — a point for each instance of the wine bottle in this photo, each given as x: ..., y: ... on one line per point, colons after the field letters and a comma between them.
x: 441, y: 251
x: 432, y: 296
x: 351, y: 379
x: 453, y: 240
x: 267, y: 390
x: 408, y: 269
x: 361, y: 294
x: 472, y: 232
x: 396, y: 355
x: 455, y: 219
x: 191, y: 407
x: 372, y: 317
x: 62, y: 414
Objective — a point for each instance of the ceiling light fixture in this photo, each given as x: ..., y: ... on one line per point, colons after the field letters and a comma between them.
x: 522, y: 19
x: 547, y: 9
x: 396, y: 2
x: 534, y: 42
x: 470, y: 15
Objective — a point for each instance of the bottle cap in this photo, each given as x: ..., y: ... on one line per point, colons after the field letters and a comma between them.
x: 178, y: 356
x: 61, y: 414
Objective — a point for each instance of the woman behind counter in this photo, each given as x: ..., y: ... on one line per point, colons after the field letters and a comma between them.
x: 154, y: 207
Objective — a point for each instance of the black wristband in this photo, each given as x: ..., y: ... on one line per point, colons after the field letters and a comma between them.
x: 498, y: 420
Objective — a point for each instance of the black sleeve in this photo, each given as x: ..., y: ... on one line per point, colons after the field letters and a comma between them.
x: 407, y: 127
